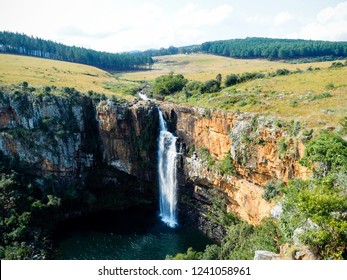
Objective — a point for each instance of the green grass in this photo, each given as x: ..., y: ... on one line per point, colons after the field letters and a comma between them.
x: 316, y: 98
x: 301, y: 96
x: 15, y: 69
x: 202, y: 67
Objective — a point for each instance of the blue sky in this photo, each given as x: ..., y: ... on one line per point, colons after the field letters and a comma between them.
x: 113, y: 25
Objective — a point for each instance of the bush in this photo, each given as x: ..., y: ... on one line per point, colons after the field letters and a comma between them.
x: 337, y: 64
x: 193, y: 87
x: 282, y: 147
x: 329, y: 151
x: 322, y: 204
x: 282, y: 72
x: 211, y: 86
x: 169, y: 84
x: 272, y: 189
x: 205, y: 155
x: 226, y: 165
x: 231, y: 80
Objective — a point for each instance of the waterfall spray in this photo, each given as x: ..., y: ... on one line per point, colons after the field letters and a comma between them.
x: 167, y: 174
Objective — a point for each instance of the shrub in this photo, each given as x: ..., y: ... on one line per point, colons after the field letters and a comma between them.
x: 231, y: 80
x: 337, y: 64
x: 330, y: 86
x: 282, y: 72
x: 294, y: 103
x: 282, y: 147
x: 272, y: 189
x: 169, y: 84
x: 205, y: 155
x: 319, y: 202
x: 343, y: 123
x: 211, y: 86
x: 226, y: 165
x: 329, y: 150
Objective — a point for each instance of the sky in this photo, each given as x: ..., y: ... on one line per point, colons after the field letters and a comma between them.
x: 127, y: 25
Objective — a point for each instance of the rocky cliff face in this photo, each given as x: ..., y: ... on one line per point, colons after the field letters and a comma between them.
x: 70, y: 136
x: 128, y: 136
x: 254, y: 144
x: 49, y: 133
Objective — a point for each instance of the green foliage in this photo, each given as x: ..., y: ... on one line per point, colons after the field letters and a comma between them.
x: 307, y: 135
x: 25, y: 214
x: 22, y: 44
x: 191, y: 254
x: 328, y: 151
x: 282, y: 72
x: 211, y: 86
x: 324, y: 95
x: 218, y: 210
x: 323, y: 204
x: 193, y: 88
x: 343, y: 124
x: 294, y: 103
x: 272, y: 189
x: 243, y: 240
x: 240, y: 243
x: 169, y: 84
x: 275, y: 48
x: 337, y: 64
x: 282, y: 147
x: 226, y: 165
x: 293, y: 127
x: 231, y: 80
x: 330, y: 86
x: 25, y: 85
x: 205, y: 155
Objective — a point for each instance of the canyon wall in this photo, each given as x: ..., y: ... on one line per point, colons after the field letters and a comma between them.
x: 98, y: 155
x: 72, y: 138
x: 253, y: 143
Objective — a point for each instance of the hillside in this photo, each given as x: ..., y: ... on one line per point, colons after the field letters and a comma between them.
x: 15, y: 43
x: 202, y: 67
x: 15, y: 69
x: 314, y: 94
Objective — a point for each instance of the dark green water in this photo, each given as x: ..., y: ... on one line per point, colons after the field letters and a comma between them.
x: 127, y: 235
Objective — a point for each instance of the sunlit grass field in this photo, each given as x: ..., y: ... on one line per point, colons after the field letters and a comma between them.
x: 202, y: 67
x: 16, y: 69
x: 317, y: 98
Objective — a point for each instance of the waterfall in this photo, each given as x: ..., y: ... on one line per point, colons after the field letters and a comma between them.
x: 167, y: 174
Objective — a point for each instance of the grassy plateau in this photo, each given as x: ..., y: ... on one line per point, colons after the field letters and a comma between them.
x: 316, y: 97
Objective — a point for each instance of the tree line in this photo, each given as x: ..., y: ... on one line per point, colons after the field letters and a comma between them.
x: 275, y: 48
x: 266, y: 48
x: 22, y: 44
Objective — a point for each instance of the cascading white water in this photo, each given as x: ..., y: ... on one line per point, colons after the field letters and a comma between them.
x: 167, y: 174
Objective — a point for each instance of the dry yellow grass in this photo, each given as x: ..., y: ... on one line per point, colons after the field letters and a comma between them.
x: 296, y: 96
x: 203, y: 67
x: 273, y: 96
x: 15, y: 69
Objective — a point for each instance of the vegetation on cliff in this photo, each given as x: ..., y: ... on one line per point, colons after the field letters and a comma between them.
x: 313, y: 211
x: 27, y: 213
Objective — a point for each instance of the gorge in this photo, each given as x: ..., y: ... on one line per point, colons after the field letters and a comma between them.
x: 102, y: 155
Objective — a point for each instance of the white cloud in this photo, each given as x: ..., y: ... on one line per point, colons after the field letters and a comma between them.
x: 192, y: 16
x: 329, y: 24
x: 283, y: 17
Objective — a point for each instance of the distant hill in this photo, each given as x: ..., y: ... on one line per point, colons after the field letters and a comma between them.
x: 15, y: 43
x: 271, y: 49
x: 249, y: 48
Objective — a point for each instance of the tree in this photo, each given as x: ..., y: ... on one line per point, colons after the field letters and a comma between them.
x: 168, y: 84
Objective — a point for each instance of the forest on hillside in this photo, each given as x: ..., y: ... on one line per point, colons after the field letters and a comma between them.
x: 15, y: 43
x: 267, y: 48
x: 249, y: 48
